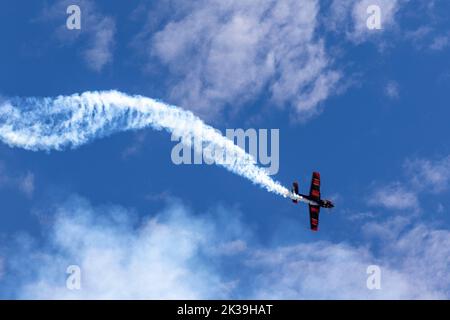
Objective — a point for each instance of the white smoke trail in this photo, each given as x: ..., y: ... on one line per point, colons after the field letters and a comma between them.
x: 71, y: 121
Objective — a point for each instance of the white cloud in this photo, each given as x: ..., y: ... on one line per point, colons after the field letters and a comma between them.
x: 350, y: 16
x: 232, y: 247
x: 22, y: 182
x: 96, y: 34
x: 99, y: 53
x: 228, y: 53
x: 429, y: 37
x: 159, y: 259
x: 422, y: 251
x: 440, y: 42
x: 359, y: 215
x: 429, y: 175
x: 178, y: 254
x: 417, y: 35
x: 26, y: 184
x: 1, y: 268
x: 4, y: 179
x: 388, y: 230
x: 135, y: 146
x: 394, y: 196
x: 323, y: 270
x: 360, y: 15
x: 327, y: 271
x: 422, y: 176
x: 392, y: 90
x: 430, y: 25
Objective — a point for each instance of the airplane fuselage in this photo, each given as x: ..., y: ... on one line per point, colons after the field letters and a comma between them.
x: 303, y: 198
x: 307, y: 199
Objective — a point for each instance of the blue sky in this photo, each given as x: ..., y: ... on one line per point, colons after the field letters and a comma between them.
x: 366, y: 108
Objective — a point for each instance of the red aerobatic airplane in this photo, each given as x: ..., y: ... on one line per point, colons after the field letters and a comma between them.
x: 313, y: 200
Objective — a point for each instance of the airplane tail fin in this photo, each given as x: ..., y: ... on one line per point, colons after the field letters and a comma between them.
x: 295, y: 190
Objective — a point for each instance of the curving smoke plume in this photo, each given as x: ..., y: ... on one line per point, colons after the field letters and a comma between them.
x: 71, y: 121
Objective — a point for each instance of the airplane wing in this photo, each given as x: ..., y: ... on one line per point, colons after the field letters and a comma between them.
x: 314, y: 217
x: 314, y: 192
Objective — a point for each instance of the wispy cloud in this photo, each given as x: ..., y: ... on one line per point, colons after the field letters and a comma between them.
x: 1, y: 268
x: 26, y: 184
x: 430, y: 31
x: 177, y: 254
x: 350, y: 17
x: 418, y: 35
x: 422, y: 176
x: 96, y: 35
x: 165, y: 256
x: 100, y: 51
x: 394, y: 196
x: 19, y: 181
x: 135, y: 146
x: 332, y: 271
x: 392, y: 90
x: 428, y: 37
x: 429, y: 175
x: 440, y: 42
x: 225, y: 54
